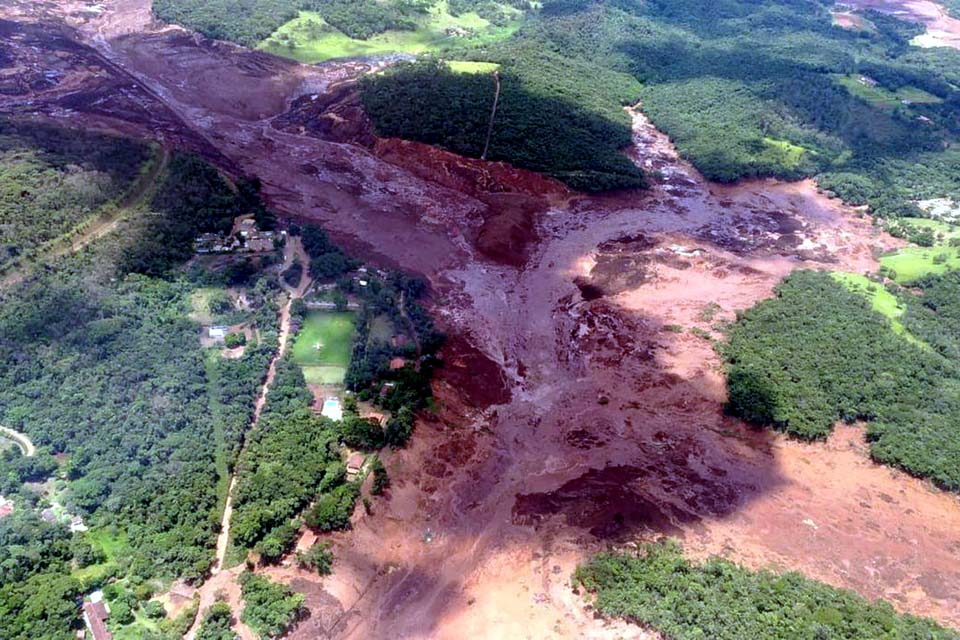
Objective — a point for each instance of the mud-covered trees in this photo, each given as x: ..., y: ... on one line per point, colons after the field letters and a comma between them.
x: 317, y: 558
x: 660, y: 589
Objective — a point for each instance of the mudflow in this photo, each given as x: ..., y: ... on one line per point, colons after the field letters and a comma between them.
x: 572, y: 414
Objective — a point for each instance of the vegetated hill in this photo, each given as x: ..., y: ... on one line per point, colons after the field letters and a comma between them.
x: 103, y: 364
x: 660, y: 589
x: 549, y: 118
x: 249, y: 22
x: 820, y: 352
x: 52, y: 180
x: 745, y: 88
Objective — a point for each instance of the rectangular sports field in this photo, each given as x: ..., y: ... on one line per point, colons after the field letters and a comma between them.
x: 323, y: 346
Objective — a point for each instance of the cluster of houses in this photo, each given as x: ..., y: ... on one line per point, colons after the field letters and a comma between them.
x: 244, y: 237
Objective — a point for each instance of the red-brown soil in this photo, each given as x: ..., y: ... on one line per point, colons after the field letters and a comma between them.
x: 943, y: 30
x: 572, y: 415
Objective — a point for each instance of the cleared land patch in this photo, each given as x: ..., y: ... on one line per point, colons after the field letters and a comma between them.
x: 879, y: 96
x: 911, y: 263
x: 309, y: 38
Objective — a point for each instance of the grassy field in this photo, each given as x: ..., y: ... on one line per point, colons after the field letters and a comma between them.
x: 880, y: 97
x: 784, y: 152
x: 911, y: 263
x: 309, y: 38
x: 882, y: 301
x: 467, y: 66
x: 323, y: 347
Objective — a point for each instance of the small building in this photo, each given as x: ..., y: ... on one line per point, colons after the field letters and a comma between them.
x: 355, y: 464
x: 259, y: 244
x: 77, y: 525
x: 95, y: 615
x: 374, y: 416
x: 397, y: 363
x: 218, y: 332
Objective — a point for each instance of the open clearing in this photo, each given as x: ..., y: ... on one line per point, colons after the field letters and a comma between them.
x: 309, y: 38
x: 880, y: 299
x: 913, y: 262
x: 323, y: 346
x: 880, y: 96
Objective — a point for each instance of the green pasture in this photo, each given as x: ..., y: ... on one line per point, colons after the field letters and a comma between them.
x: 881, y: 97
x: 880, y: 299
x: 911, y: 263
x: 309, y: 38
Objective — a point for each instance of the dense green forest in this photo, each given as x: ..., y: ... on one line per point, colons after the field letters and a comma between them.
x: 291, y: 458
x: 216, y: 623
x: 104, y: 366
x: 269, y: 608
x: 660, y: 589
x: 819, y: 352
x: 53, y: 179
x: 548, y: 119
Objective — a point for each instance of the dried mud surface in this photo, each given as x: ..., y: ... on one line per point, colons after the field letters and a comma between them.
x: 576, y: 410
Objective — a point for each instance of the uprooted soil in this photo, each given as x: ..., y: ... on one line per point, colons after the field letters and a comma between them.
x: 577, y: 409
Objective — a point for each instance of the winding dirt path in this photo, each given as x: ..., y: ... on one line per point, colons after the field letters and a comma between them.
x: 22, y: 441
x: 224, y: 581
x: 102, y: 224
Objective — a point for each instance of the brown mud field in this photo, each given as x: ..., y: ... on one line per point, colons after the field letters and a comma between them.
x: 576, y: 409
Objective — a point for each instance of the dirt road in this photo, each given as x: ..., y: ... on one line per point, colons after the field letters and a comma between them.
x: 21, y: 440
x: 221, y: 581
x: 576, y: 409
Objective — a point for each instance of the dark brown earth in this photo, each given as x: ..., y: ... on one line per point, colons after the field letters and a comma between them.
x: 576, y: 410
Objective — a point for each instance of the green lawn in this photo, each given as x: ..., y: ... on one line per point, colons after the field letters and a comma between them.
x: 468, y: 66
x: 912, y: 263
x: 783, y: 152
x: 323, y: 346
x: 309, y: 38
x: 882, y: 97
x: 882, y: 301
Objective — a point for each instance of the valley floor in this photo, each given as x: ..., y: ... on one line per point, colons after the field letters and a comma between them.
x: 577, y: 409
